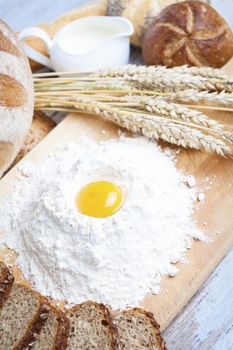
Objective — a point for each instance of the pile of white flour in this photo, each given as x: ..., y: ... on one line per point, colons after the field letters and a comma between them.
x: 115, y: 260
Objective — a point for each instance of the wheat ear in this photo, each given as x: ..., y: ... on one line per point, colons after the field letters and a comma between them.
x: 177, y: 82
x: 137, y: 70
x: 222, y: 98
x: 160, y: 106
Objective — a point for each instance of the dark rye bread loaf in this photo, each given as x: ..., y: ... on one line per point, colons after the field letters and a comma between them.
x: 54, y: 333
x: 6, y: 281
x: 190, y: 32
x: 16, y: 96
x: 91, y: 327
x: 138, y: 330
x: 21, y: 317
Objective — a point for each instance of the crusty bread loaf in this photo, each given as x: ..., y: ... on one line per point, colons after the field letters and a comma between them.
x: 21, y: 317
x: 191, y: 33
x: 16, y: 96
x: 6, y: 281
x: 54, y: 333
x: 91, y: 327
x: 138, y: 330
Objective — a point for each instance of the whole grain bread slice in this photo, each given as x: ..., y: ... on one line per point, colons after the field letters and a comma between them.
x: 6, y: 281
x: 54, y: 333
x: 138, y: 330
x: 21, y: 317
x: 91, y: 327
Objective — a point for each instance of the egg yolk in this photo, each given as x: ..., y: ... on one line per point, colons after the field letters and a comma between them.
x: 99, y: 199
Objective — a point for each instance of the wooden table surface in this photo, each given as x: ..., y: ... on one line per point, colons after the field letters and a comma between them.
x: 206, y: 323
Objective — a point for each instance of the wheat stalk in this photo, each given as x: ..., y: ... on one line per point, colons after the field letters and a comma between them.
x: 162, y: 107
x: 222, y: 97
x: 206, y: 72
x: 177, y: 82
x: 133, y: 70
x: 154, y: 127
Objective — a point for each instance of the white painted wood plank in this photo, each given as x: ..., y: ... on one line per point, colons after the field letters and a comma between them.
x: 206, y: 323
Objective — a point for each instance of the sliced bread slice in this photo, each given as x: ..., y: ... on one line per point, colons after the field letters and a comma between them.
x: 91, y: 327
x: 54, y: 333
x: 6, y: 281
x: 138, y: 330
x: 21, y: 317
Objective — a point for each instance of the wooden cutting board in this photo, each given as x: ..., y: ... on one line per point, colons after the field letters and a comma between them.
x: 216, y: 211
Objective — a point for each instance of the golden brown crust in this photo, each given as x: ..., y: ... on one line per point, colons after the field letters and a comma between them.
x: 16, y: 96
x: 12, y: 93
x: 107, y: 317
x: 6, y: 150
x: 135, y: 311
x: 190, y: 32
x: 6, y: 281
x: 6, y: 45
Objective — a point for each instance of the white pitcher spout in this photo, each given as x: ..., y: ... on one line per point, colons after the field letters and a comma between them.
x: 129, y: 28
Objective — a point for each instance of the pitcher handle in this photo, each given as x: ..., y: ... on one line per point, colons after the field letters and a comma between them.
x: 32, y: 53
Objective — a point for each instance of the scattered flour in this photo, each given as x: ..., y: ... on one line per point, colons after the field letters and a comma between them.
x: 116, y: 260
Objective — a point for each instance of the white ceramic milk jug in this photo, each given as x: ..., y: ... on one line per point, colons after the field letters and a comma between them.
x: 86, y: 44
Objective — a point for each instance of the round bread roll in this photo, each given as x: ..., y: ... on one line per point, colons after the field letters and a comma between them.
x: 16, y: 97
x: 190, y: 32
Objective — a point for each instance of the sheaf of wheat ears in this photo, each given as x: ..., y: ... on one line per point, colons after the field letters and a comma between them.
x: 156, y: 127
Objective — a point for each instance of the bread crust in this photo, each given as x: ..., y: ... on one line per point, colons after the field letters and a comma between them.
x: 63, y: 330
x: 6, y: 282
x: 16, y: 96
x: 189, y: 32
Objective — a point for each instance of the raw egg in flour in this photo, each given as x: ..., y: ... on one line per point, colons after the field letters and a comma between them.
x: 99, y: 199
